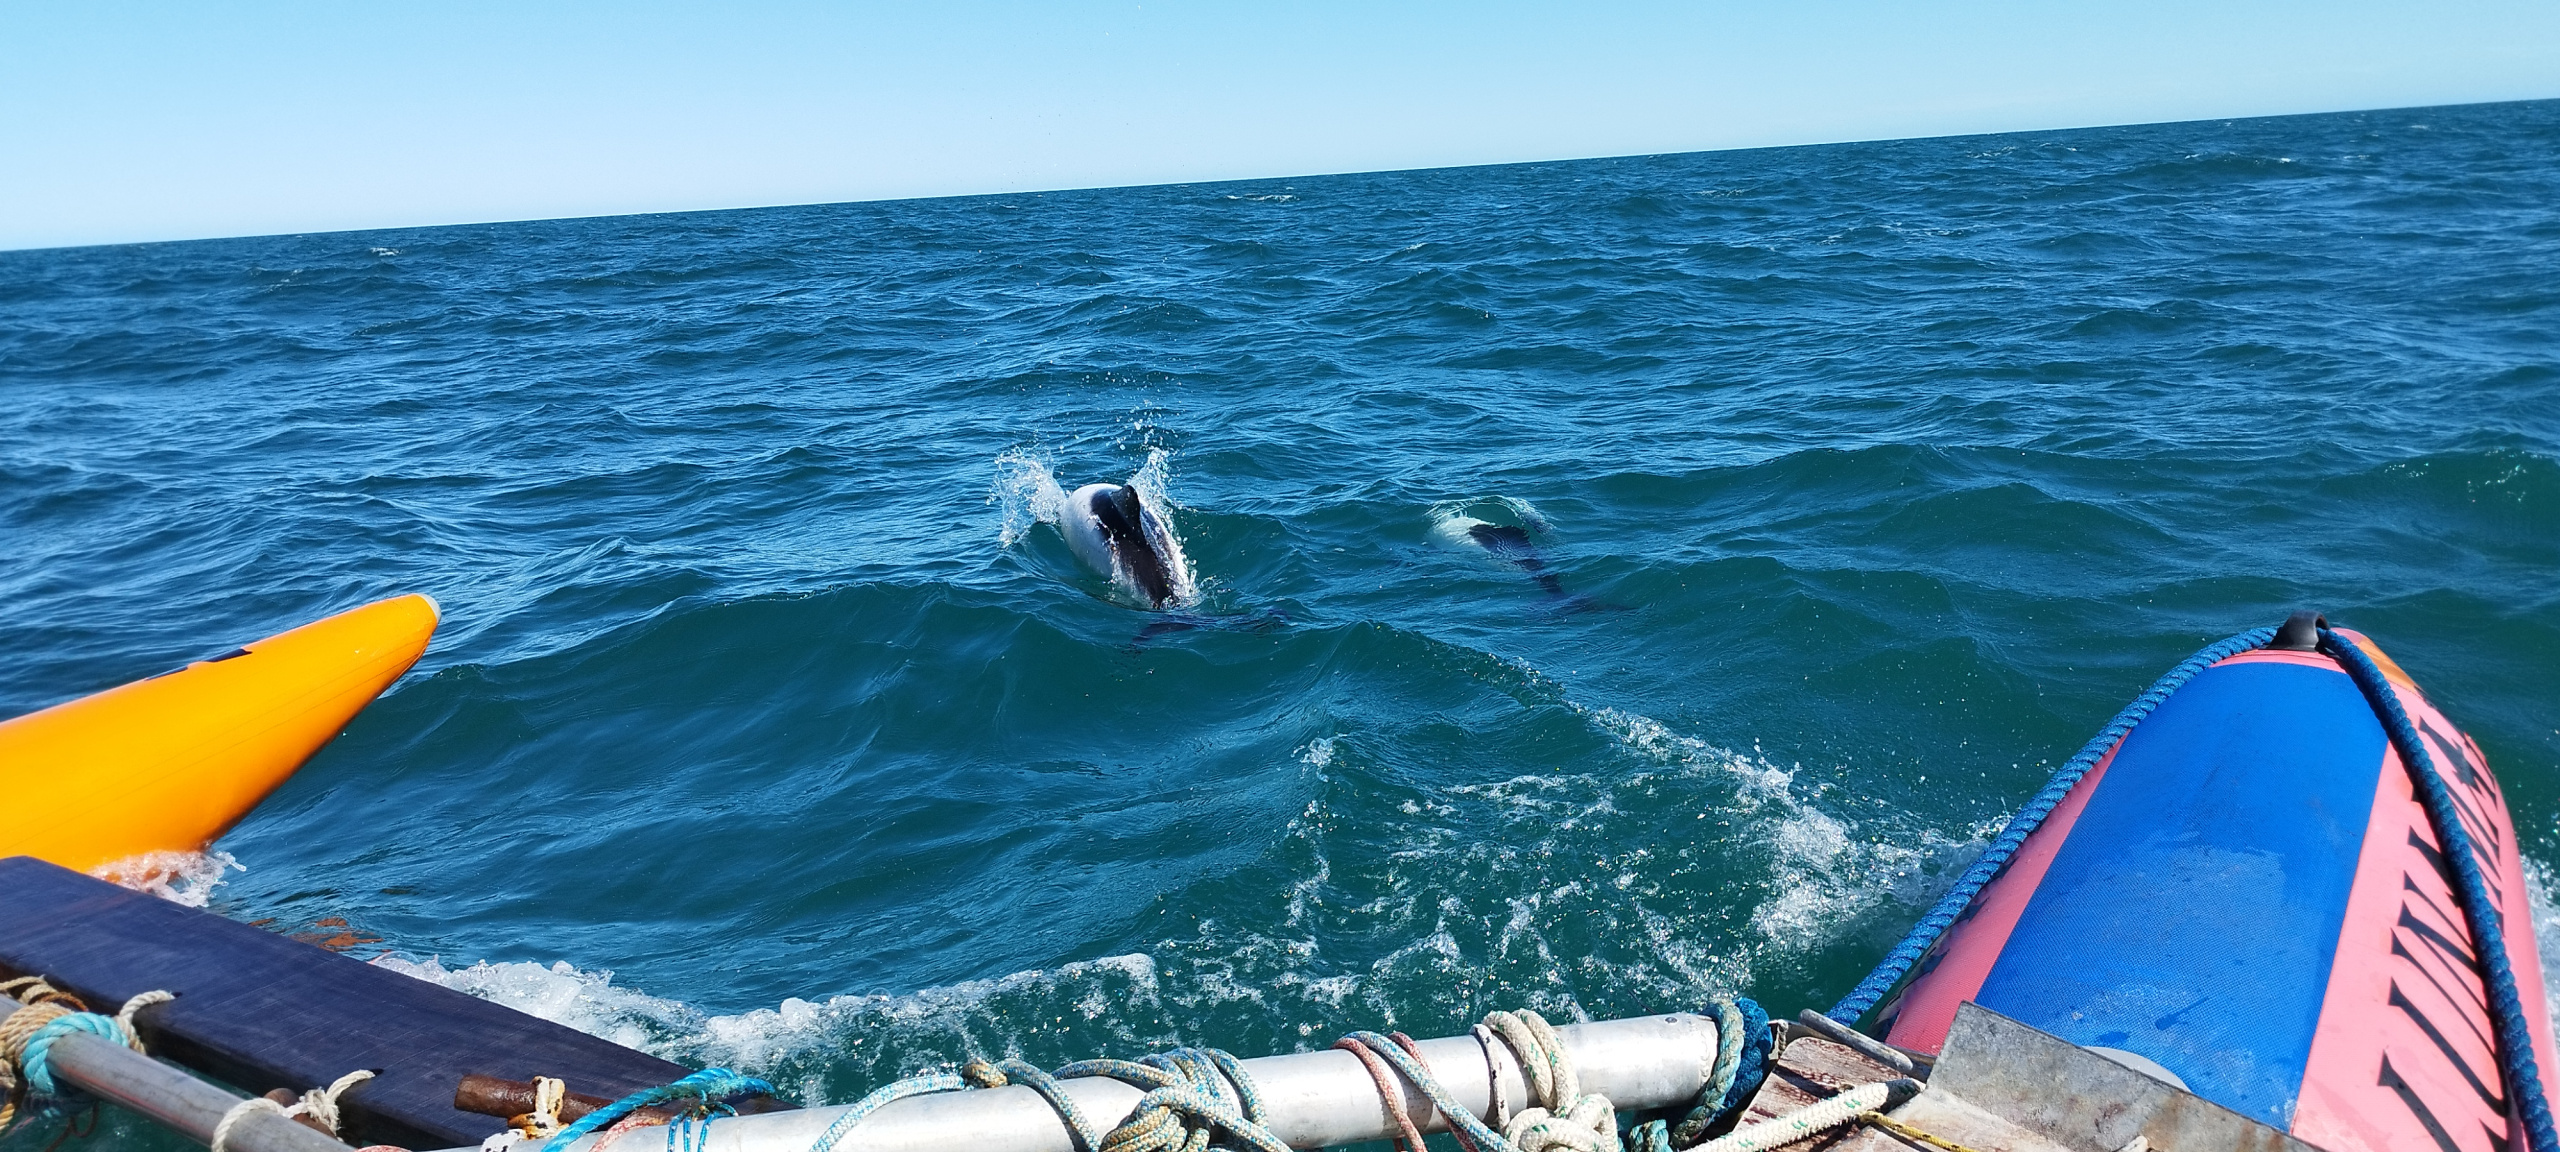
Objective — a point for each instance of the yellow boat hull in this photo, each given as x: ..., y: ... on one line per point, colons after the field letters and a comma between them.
x: 170, y: 763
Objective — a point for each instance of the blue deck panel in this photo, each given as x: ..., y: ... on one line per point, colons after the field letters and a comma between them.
x: 2192, y: 914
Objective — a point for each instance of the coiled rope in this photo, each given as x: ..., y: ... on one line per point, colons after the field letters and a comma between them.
x: 27, y: 1036
x: 1566, y: 1116
x: 2488, y: 927
x: 2029, y: 817
x: 1192, y: 1094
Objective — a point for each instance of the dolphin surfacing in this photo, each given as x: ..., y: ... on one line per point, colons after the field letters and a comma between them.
x: 1112, y: 531
x: 1510, y: 544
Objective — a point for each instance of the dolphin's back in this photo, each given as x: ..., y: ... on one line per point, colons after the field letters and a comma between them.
x: 1124, y: 522
x: 1511, y: 542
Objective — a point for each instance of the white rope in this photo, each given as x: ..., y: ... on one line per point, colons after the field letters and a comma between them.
x: 1819, y: 1116
x: 321, y: 1104
x: 1565, y: 1116
x: 239, y: 1112
x: 138, y: 1003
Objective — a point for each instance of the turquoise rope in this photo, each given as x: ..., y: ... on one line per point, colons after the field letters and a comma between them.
x: 47, y: 1097
x: 706, y: 1089
x: 862, y: 1109
x: 36, y: 1061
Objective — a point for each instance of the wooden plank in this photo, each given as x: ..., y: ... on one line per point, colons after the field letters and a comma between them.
x: 1812, y: 1069
x: 260, y: 1011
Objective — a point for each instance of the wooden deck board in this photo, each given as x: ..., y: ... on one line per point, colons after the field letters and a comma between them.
x: 260, y: 1011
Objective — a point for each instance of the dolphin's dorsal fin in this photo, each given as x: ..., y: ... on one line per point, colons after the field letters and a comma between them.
x: 1123, y: 520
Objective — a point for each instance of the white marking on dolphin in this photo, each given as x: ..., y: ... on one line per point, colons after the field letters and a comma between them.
x: 1113, y: 531
x: 1510, y: 538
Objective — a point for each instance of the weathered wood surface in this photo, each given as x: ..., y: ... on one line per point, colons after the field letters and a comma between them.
x: 1812, y: 1069
x: 260, y: 1011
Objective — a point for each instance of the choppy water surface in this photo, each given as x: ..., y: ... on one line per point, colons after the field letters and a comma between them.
x: 770, y: 725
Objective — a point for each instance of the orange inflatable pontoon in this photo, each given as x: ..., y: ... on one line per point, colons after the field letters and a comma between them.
x: 169, y: 763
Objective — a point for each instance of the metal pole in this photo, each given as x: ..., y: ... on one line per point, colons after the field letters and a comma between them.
x: 122, y: 1076
x: 1314, y: 1099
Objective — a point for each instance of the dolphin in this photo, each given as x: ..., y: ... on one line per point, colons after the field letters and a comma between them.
x: 1510, y: 544
x: 1111, y: 530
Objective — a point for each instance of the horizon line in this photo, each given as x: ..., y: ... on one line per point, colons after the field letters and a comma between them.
x: 1218, y: 180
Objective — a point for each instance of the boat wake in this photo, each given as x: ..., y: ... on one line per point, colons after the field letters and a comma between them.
x: 187, y: 878
x: 1504, y: 892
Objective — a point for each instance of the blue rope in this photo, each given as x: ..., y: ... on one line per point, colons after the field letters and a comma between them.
x: 863, y: 1108
x: 706, y: 1089
x: 2515, y: 1035
x: 47, y: 1098
x: 1949, y: 907
x: 35, y: 1059
x: 1753, y: 1066
x: 1743, y: 1044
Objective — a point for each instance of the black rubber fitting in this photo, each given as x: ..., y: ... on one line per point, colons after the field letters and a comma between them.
x: 2300, y: 633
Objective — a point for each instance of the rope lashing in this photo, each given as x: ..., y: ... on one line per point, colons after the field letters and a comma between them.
x: 1561, y: 1115
x: 2029, y: 817
x: 1565, y: 1117
x: 1743, y: 1047
x: 1191, y: 1095
x: 1391, y: 1096
x: 27, y: 1036
x: 320, y: 1104
x: 1470, y: 1132
x: 981, y: 1074
x: 2488, y: 927
x: 238, y: 1112
x: 704, y: 1093
x: 1194, y: 1095
x: 36, y: 991
x: 1820, y: 1116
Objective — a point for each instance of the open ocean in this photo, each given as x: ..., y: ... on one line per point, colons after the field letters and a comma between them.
x: 770, y: 725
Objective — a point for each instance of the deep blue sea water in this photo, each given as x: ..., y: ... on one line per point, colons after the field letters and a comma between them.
x: 770, y: 725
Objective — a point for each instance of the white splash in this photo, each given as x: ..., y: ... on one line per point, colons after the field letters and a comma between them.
x: 2546, y: 933
x: 1452, y: 521
x: 1150, y: 481
x: 797, y: 1035
x: 1823, y: 876
x: 1028, y: 493
x: 1319, y: 753
x: 586, y: 1001
x: 187, y: 878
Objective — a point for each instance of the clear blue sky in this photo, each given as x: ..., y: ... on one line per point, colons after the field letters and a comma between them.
x: 160, y: 121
